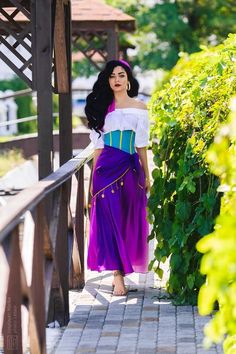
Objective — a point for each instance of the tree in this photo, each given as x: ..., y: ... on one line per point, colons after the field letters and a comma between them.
x: 169, y: 27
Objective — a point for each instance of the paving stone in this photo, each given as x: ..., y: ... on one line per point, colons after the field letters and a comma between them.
x: 84, y: 350
x: 111, y: 344
x: 186, y: 349
x: 166, y: 348
x: 146, y: 351
x: 107, y: 350
x: 110, y: 334
x: 186, y: 340
x: 111, y: 328
x: 113, y: 321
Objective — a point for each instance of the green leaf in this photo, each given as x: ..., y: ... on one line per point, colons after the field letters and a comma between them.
x: 190, y: 281
x: 159, y: 272
x: 182, y: 210
x: 175, y: 261
x: 150, y: 266
x: 220, y: 68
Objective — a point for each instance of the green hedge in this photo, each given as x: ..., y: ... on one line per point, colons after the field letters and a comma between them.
x: 26, y: 107
x: 184, y: 200
x: 24, y: 104
x: 219, y: 248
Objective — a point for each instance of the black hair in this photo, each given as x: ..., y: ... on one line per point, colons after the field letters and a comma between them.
x: 98, y: 101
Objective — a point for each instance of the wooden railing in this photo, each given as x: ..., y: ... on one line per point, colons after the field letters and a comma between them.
x: 41, y: 255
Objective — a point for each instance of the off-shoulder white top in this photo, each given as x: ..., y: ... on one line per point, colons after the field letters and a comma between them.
x: 135, y: 119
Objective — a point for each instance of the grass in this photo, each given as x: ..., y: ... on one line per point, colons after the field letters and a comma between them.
x: 10, y: 159
x: 3, y: 139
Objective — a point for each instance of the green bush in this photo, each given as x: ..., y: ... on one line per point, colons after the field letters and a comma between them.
x: 184, y: 200
x: 219, y: 247
x: 25, y: 105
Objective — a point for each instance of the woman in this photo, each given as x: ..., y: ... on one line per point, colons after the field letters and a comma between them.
x: 120, y: 180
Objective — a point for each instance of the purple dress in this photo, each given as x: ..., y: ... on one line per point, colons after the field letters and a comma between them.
x: 118, y: 219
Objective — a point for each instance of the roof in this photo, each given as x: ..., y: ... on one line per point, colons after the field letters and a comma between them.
x: 88, y: 12
x: 96, y: 10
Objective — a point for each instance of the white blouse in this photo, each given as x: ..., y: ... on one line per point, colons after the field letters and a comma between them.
x: 135, y: 119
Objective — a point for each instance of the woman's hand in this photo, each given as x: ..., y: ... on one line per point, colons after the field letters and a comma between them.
x: 147, y: 184
x: 96, y: 155
x: 142, y: 152
x: 91, y: 190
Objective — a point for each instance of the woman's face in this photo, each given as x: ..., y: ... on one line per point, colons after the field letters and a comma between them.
x: 118, y: 79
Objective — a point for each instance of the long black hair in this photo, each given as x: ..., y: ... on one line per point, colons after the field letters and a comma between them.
x: 98, y: 101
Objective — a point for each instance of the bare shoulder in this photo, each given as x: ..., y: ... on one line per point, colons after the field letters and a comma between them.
x: 139, y: 104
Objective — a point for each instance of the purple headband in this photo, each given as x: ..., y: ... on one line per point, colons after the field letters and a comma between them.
x: 125, y: 63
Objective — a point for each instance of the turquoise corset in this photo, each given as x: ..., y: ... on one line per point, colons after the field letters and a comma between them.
x: 123, y: 140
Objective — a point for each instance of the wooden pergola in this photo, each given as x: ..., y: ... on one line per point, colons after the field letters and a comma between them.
x: 97, y: 25
x: 45, y: 31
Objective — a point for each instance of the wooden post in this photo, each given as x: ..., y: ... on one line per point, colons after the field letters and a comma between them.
x: 63, y: 71
x: 37, y: 314
x: 59, y: 300
x: 62, y: 257
x: 112, y: 44
x: 65, y: 127
x: 79, y: 221
x: 43, y: 38
x: 12, y: 318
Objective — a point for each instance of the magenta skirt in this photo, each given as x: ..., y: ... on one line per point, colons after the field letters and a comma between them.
x: 118, y: 219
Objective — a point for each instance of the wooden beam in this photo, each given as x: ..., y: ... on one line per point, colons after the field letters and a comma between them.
x: 112, y: 45
x: 61, y: 253
x: 127, y: 26
x: 37, y: 290
x: 60, y: 49
x: 79, y: 222
x: 44, y: 85
x: 65, y: 99
x: 12, y: 331
x: 65, y: 127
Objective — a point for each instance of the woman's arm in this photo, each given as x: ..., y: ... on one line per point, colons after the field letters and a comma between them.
x: 96, y: 155
x: 142, y: 152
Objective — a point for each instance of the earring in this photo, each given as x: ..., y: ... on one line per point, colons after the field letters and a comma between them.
x: 128, y: 86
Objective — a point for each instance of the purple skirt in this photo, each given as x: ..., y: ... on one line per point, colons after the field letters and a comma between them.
x: 118, y: 219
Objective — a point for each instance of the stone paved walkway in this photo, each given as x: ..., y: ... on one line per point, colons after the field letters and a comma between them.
x: 143, y: 322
